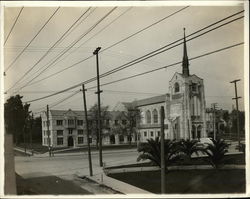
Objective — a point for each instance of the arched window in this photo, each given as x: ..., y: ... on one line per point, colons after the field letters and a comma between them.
x: 148, y: 116
x: 176, y: 88
x: 155, y: 116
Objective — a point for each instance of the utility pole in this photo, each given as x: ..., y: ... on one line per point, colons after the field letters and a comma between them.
x: 163, y: 183
x: 48, y: 132
x: 99, y: 106
x: 31, y: 130
x: 214, y: 106
x: 87, y: 128
x: 237, y: 108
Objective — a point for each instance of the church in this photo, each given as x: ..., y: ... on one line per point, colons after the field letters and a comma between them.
x: 184, y: 107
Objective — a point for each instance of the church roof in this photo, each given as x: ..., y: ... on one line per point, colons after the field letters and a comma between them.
x: 151, y: 100
x: 62, y: 112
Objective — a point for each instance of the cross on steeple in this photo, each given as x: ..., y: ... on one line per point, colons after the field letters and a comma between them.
x: 185, y: 62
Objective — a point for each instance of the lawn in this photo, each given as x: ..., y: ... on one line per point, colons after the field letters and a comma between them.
x: 189, y: 181
x: 94, y: 148
x: 236, y: 159
x: 47, y: 185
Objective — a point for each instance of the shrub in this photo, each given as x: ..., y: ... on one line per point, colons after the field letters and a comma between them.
x: 216, y: 152
x: 152, y: 151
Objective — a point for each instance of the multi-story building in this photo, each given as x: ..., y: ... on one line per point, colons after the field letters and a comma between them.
x: 64, y: 128
x: 68, y: 129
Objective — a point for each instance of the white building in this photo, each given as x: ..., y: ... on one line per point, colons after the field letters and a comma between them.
x: 184, y: 108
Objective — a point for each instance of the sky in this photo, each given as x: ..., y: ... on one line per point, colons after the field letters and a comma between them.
x: 217, y: 70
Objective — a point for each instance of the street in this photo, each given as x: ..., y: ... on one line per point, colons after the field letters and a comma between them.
x: 70, y: 164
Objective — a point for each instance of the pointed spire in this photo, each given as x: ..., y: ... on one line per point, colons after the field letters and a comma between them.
x: 185, y: 62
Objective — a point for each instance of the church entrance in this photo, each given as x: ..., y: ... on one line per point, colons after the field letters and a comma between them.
x: 112, y: 139
x: 70, y: 141
x: 199, y: 132
x: 193, y: 131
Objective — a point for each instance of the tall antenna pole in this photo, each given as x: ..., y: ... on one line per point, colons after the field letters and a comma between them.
x: 48, y: 132
x: 214, y: 106
x: 237, y: 108
x: 99, y: 106
x: 87, y: 128
x: 163, y: 183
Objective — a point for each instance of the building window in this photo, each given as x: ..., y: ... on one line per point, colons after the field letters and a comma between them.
x: 90, y: 140
x: 159, y: 133
x: 145, y: 133
x: 59, y: 141
x: 148, y: 116
x: 70, y: 131
x: 194, y: 87
x: 124, y: 122
x: 59, y: 122
x: 44, y: 140
x: 121, y: 138
x: 59, y: 132
x: 70, y: 122
x: 152, y: 133
x: 80, y: 140
x: 176, y: 88
x: 80, y: 132
x: 155, y: 116
x: 79, y: 122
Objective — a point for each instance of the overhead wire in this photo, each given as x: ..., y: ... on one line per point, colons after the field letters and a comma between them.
x: 93, y: 36
x: 47, y: 21
x: 68, y: 48
x: 7, y: 37
x: 150, y: 71
x: 152, y: 51
x: 116, y: 43
x: 161, y: 50
x: 49, y: 50
x: 173, y: 64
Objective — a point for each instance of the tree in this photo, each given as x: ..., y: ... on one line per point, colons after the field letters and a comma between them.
x: 216, y: 152
x: 132, y: 117
x: 152, y: 151
x: 93, y: 118
x: 15, y: 117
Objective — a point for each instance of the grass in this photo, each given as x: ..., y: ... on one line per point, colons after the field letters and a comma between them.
x: 94, y: 148
x: 37, y: 147
x: 187, y: 182
x: 237, y: 159
x: 47, y: 185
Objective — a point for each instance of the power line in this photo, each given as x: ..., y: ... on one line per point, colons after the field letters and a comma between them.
x: 93, y: 36
x: 49, y: 50
x: 161, y: 50
x: 32, y: 39
x: 68, y: 47
x: 13, y: 25
x: 116, y: 43
x: 76, y: 41
x: 174, y: 64
x: 140, y: 74
x: 156, y: 52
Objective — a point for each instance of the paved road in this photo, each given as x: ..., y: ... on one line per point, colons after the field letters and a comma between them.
x: 37, y: 166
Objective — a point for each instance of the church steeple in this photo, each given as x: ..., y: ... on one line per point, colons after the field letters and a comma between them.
x: 185, y: 62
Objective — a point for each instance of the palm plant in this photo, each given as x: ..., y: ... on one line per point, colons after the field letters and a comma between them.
x: 216, y: 152
x: 152, y: 151
x: 188, y: 147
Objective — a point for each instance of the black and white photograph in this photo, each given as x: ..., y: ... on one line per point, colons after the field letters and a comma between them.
x: 124, y: 99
